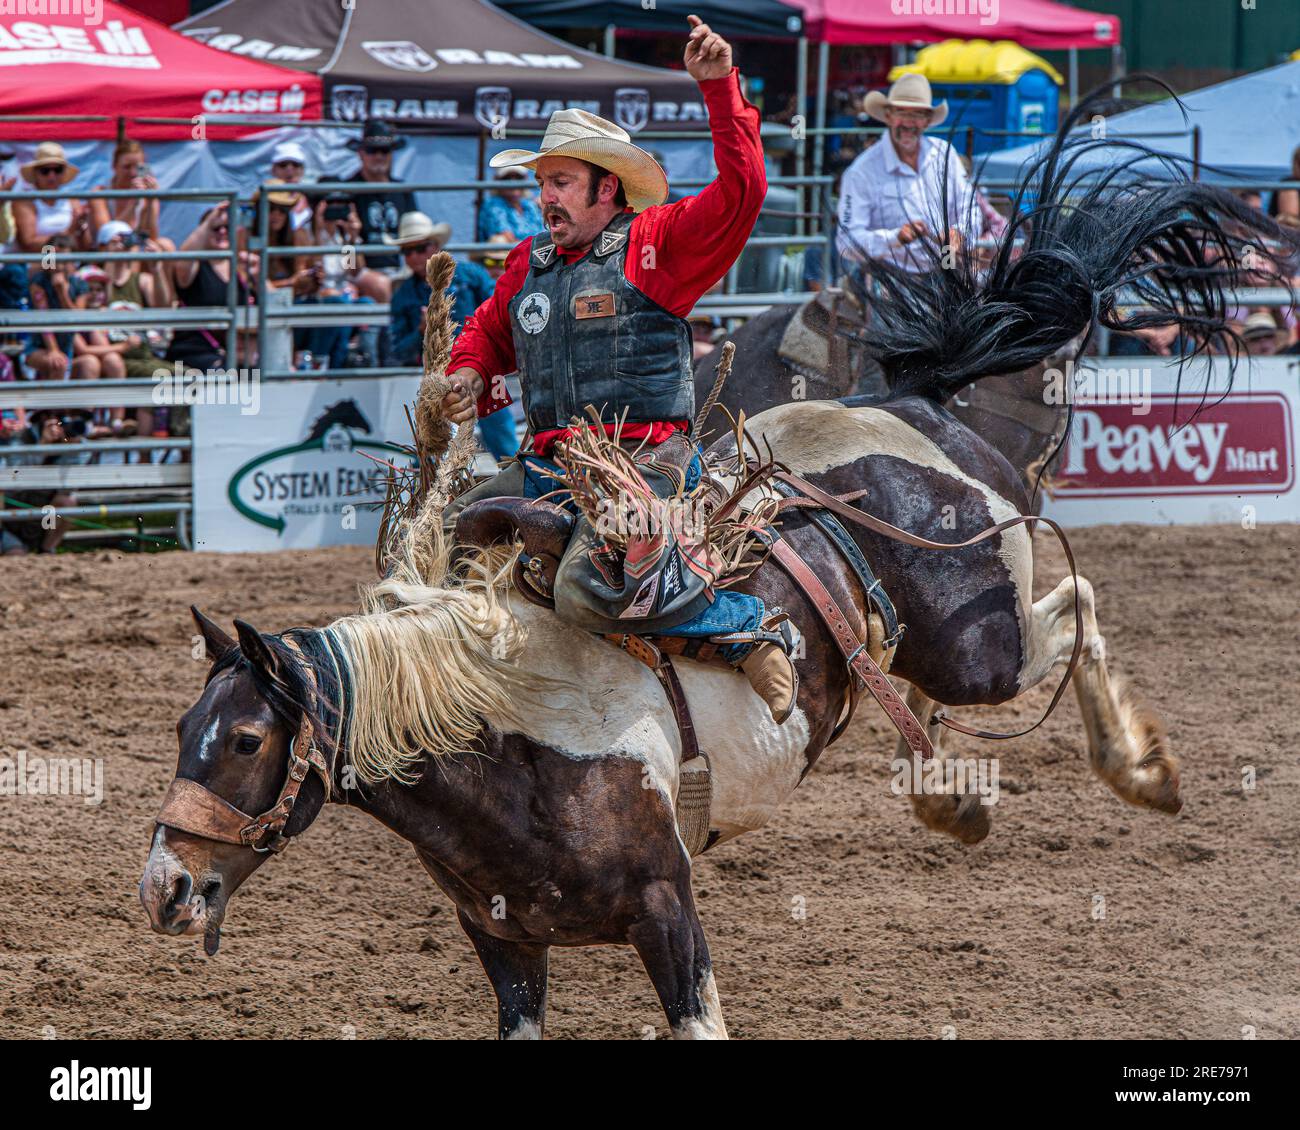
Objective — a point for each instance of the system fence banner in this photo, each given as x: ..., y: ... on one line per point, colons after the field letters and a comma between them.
x: 1136, y: 453
x: 288, y: 469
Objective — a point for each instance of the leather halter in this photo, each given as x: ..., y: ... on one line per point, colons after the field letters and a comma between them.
x: 194, y: 808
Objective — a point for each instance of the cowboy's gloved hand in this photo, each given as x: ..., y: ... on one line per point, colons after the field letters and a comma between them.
x: 458, y: 405
x: 708, y: 55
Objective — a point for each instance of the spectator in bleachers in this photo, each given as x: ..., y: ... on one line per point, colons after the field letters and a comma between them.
x: 511, y: 209
x: 203, y: 282
x: 1262, y: 335
x: 37, y: 222
x: 47, y: 426
x: 419, y: 239
x: 56, y: 288
x: 289, y: 165
x: 13, y: 276
x: 296, y: 271
x: 380, y: 212
x: 140, y: 213
x: 341, y: 278
x: 494, y: 261
x: 101, y: 357
x: 1285, y: 203
x: 128, y: 281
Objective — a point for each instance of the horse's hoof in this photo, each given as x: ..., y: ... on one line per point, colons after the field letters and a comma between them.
x: 963, y: 817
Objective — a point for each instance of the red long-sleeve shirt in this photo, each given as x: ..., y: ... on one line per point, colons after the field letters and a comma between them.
x: 695, y: 242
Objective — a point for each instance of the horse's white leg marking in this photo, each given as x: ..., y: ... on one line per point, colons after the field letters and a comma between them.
x: 526, y: 1029
x: 709, y: 1025
x: 958, y: 814
x: 1127, y: 744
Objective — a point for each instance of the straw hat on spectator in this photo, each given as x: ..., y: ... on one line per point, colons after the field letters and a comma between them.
x: 1259, y: 326
x: 911, y: 92
x: 416, y: 227
x: 579, y: 134
x: 279, y: 197
x: 49, y: 153
x: 493, y: 258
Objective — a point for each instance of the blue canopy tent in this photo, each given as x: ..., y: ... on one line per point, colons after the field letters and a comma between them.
x: 1239, y: 132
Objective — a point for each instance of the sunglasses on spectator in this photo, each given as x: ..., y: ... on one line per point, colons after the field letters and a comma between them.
x: 287, y: 161
x: 373, y: 149
x: 420, y: 248
x: 47, y: 170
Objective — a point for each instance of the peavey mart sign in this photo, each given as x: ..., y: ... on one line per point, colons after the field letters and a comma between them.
x: 297, y: 474
x: 1173, y: 458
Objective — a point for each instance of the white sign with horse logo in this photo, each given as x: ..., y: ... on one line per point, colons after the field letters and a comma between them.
x: 297, y: 474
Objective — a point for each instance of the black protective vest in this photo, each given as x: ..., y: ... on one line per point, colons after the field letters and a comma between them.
x: 585, y: 335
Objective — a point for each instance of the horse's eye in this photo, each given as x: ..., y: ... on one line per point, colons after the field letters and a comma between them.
x: 248, y: 743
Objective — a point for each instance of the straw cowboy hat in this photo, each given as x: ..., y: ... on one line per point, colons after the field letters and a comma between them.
x: 911, y: 92
x: 576, y: 133
x: 416, y: 227
x: 285, y: 197
x: 49, y: 153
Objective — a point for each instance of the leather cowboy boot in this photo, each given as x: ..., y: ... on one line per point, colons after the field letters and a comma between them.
x: 774, y: 679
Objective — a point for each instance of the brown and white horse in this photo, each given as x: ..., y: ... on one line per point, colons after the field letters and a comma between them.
x: 534, y: 768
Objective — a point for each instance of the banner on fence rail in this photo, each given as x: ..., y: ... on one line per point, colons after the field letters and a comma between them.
x: 1136, y: 452
x: 294, y: 472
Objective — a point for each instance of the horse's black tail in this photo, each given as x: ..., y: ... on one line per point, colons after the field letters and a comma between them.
x: 1077, y: 246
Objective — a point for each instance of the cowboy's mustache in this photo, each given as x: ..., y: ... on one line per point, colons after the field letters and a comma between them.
x: 554, y: 211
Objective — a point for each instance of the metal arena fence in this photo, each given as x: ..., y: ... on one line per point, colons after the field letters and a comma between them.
x: 107, y: 491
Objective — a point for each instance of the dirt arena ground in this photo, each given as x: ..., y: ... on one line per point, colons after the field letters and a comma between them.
x: 904, y: 932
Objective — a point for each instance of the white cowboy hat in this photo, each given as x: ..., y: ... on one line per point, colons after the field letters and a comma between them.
x: 911, y: 92
x: 576, y: 133
x: 49, y: 153
x: 416, y: 227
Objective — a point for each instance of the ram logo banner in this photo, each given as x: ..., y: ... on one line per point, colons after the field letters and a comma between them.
x: 492, y: 105
x: 349, y: 103
x: 632, y: 108
x: 310, y: 469
x: 1241, y: 444
x: 400, y: 54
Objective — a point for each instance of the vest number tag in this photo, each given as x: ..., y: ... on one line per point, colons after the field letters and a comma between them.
x: 594, y: 306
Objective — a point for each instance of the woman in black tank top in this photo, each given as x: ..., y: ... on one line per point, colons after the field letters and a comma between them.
x: 200, y: 283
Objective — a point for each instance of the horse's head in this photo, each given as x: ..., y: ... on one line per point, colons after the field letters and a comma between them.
x: 252, y: 772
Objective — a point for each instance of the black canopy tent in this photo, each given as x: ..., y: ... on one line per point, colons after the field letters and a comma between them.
x: 457, y: 66
x: 730, y: 17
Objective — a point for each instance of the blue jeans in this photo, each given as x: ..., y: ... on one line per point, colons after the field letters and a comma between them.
x: 729, y: 612
x: 497, y: 431
x: 332, y: 341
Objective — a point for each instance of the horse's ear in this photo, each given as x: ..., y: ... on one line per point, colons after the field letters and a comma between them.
x: 254, y: 647
x: 217, y: 642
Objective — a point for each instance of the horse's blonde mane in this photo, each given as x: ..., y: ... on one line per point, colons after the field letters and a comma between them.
x: 427, y: 657
x: 433, y: 649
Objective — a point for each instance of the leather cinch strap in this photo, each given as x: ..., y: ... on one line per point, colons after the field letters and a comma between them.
x: 853, y: 649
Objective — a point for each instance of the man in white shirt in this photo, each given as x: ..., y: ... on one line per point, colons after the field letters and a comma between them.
x: 891, y: 195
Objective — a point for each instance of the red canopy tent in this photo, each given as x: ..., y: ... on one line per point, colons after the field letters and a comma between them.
x: 1031, y: 23
x: 131, y: 66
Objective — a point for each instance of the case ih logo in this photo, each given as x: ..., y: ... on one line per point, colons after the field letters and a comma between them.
x: 1241, y: 445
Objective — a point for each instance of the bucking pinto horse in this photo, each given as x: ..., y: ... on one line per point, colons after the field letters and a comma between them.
x: 535, y: 768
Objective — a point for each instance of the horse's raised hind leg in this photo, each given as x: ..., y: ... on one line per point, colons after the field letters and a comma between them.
x: 670, y: 941
x: 517, y: 971
x: 962, y: 815
x: 1127, y: 743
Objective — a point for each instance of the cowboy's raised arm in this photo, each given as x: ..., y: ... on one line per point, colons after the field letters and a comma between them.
x: 714, y: 223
